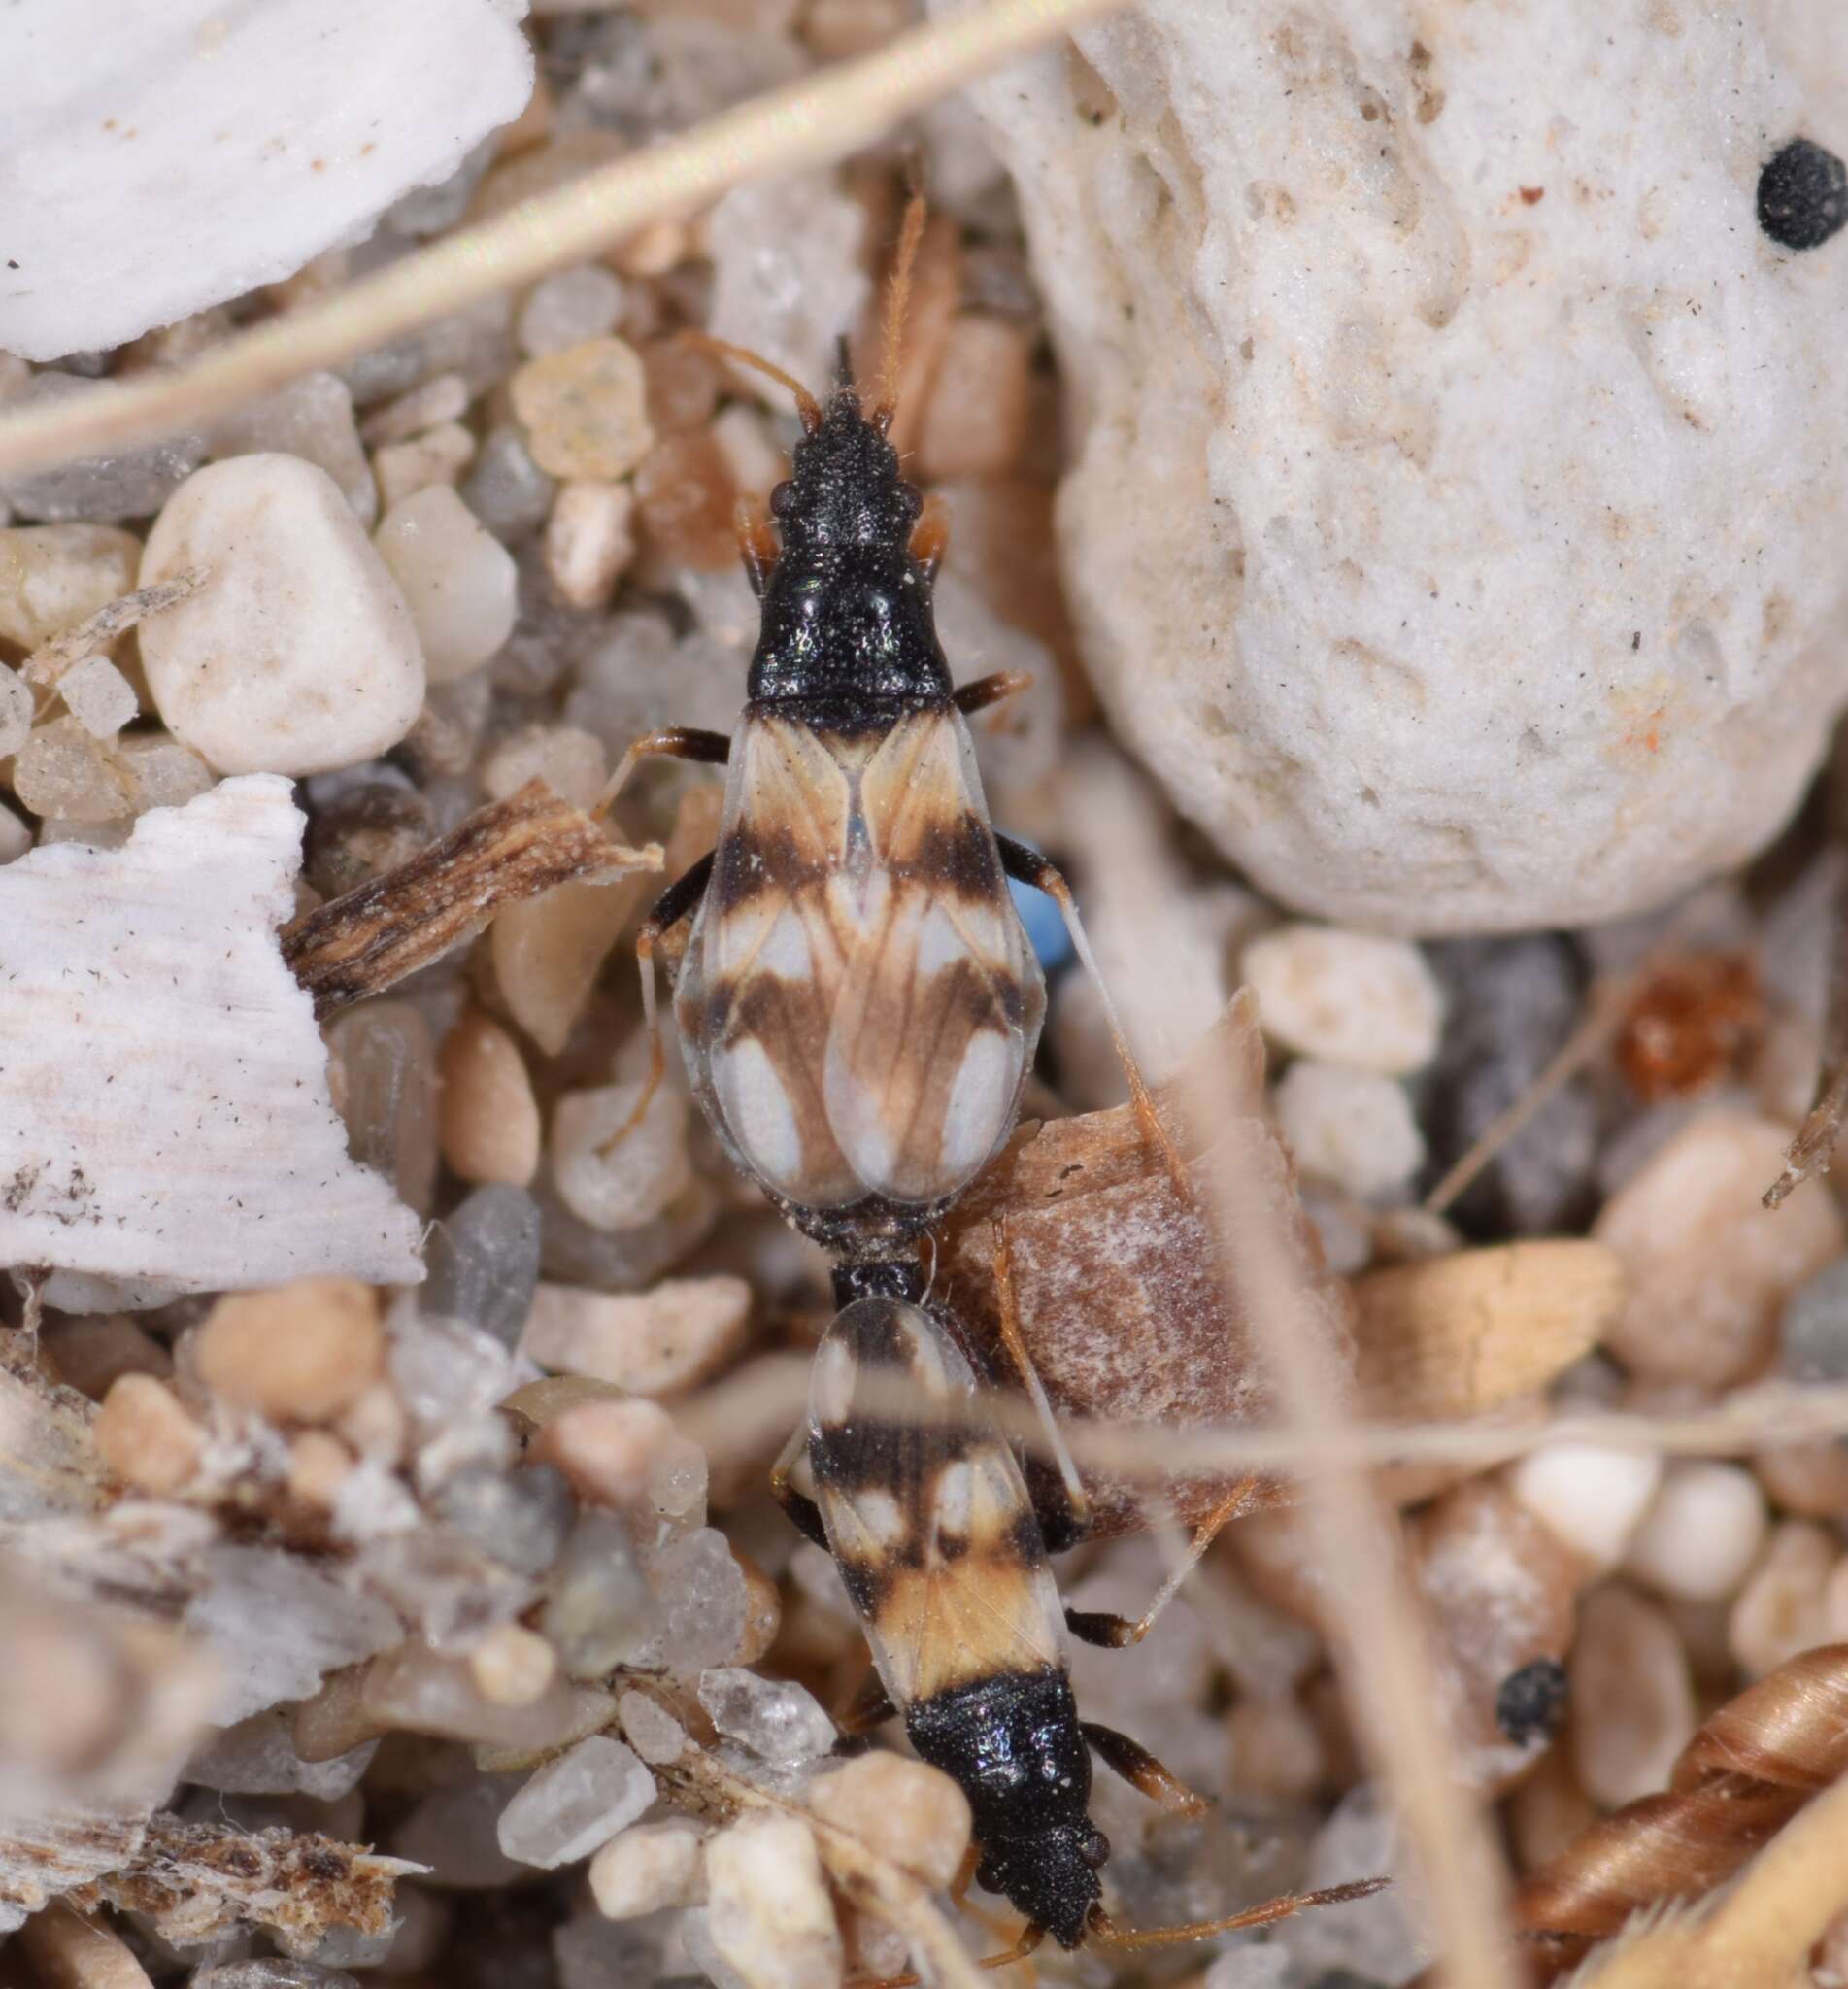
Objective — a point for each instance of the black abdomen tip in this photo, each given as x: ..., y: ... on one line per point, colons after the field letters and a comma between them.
x: 1802, y: 195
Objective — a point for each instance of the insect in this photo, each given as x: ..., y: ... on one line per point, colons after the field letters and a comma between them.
x: 924, y: 1509
x: 858, y: 1002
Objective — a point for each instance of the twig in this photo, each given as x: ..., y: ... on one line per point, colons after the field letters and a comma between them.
x: 511, y: 851
x: 837, y: 111
x: 95, y: 633
x: 1814, y: 1146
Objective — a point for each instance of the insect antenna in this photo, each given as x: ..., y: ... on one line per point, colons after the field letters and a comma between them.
x: 1107, y: 1934
x: 807, y: 407
x: 898, y: 303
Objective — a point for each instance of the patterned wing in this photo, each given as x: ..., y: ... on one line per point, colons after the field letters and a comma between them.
x: 927, y: 1511
x: 940, y: 997
x: 763, y: 967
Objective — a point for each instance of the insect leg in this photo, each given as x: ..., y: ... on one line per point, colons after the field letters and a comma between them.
x: 990, y: 689
x: 1109, y: 1935
x: 758, y: 543
x: 1141, y: 1770
x: 801, y: 1511
x: 870, y: 1706
x: 1119, y: 1632
x: 680, y: 897
x: 1027, y: 1945
x: 930, y: 536
x: 672, y: 742
x: 1029, y: 866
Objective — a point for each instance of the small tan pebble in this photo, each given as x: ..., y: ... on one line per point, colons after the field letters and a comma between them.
x: 54, y: 576
x: 546, y: 954
x: 876, y: 1950
x: 299, y: 1354
x: 1453, y: 1335
x: 1353, y: 1128
x: 334, y: 1720
x: 1710, y: 1266
x: 647, y: 1866
x: 905, y: 1811
x: 146, y: 1438
x: 1547, y: 1812
x: 63, y: 1950
x: 92, y: 1352
x: 651, y: 1730
x: 1809, y: 1480
x: 1632, y: 1697
x: 975, y: 422
x: 401, y: 469
x: 607, y: 1448
x: 512, y: 1665
x: 1276, y: 1749
x: 683, y: 384
x: 375, y: 1425
x: 1782, y: 1609
x: 417, y: 1688
x: 423, y: 408
x: 590, y: 540
x: 647, y: 1342
x: 652, y: 251
x: 161, y: 773
x: 1701, y: 1532
x: 318, y: 1465
x: 64, y: 774
x: 570, y: 761
x: 459, y: 579
x: 619, y: 1185
x: 69, y: 1690
x: 1592, y: 1496
x: 488, y: 1118
x: 99, y: 697
x: 298, y: 654
x: 762, y: 1611
x: 835, y: 29
x: 686, y: 502
x: 1347, y: 997
x: 585, y: 409
x: 769, y: 1909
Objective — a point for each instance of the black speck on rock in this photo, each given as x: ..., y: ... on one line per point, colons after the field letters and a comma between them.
x: 1802, y: 195
x: 1531, y: 1701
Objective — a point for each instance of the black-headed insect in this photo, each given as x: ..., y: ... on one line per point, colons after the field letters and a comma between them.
x: 858, y: 1001
x: 923, y: 1506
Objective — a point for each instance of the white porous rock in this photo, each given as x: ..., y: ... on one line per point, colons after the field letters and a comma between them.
x: 649, y: 1866
x: 300, y: 654
x: 158, y: 1048
x: 1352, y: 1128
x: 1348, y: 997
x: 1456, y: 507
x: 179, y: 154
x: 768, y: 1910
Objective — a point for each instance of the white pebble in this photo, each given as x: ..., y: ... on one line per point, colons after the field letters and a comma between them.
x: 649, y: 1866
x: 1590, y: 1495
x: 1348, y: 997
x: 1700, y: 1532
x: 769, y: 1909
x: 440, y: 455
x: 647, y: 1342
x: 1352, y: 1128
x: 575, y: 1804
x: 1632, y: 1700
x: 459, y: 579
x: 590, y: 540
x: 778, y: 1721
x: 569, y: 307
x: 300, y: 654
x: 640, y: 1174
x: 99, y: 697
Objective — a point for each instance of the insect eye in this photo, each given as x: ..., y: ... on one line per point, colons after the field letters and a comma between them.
x: 783, y: 497
x: 1095, y: 1850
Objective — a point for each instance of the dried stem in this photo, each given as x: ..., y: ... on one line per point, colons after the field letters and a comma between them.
x: 93, y: 635
x: 1814, y: 1146
x: 499, y: 856
x: 1744, y: 1775
x: 821, y: 117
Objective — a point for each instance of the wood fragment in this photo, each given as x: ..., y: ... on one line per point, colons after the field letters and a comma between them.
x: 93, y: 635
x: 1814, y: 1147
x: 198, y: 1882
x: 502, y: 855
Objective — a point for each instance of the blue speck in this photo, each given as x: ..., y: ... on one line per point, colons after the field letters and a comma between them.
x: 1045, y: 926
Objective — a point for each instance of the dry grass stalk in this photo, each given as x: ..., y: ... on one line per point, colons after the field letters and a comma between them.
x: 500, y: 856
x: 1814, y: 1146
x: 95, y: 633
x: 809, y: 122
x: 1758, y: 1762
x: 697, y: 1782
x: 1379, y: 1644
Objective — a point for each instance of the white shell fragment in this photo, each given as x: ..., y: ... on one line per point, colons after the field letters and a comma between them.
x: 159, y: 159
x: 164, y: 1110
